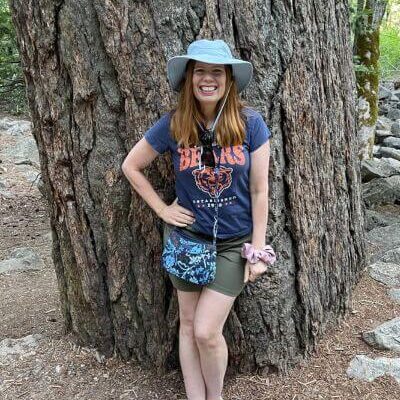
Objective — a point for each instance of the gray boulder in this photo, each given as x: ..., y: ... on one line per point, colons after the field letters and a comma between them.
x: 383, y: 240
x: 393, y: 113
x: 381, y: 191
x: 383, y: 123
x: 368, y: 369
x: 384, y: 93
x: 26, y: 152
x: 10, y: 348
x: 375, y: 219
x: 385, y: 336
x: 376, y: 150
x: 21, y: 259
x: 379, y: 168
x: 395, y: 128
x: 15, y: 127
x: 381, y: 134
x: 388, y: 152
x: 391, y: 256
x: 385, y: 272
x: 394, y: 294
x: 391, y: 141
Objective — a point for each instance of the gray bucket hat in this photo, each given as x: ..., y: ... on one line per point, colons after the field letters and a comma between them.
x: 211, y: 52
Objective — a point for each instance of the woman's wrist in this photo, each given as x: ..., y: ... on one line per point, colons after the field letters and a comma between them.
x: 258, y: 238
x: 253, y: 255
x: 160, y: 209
x: 258, y: 245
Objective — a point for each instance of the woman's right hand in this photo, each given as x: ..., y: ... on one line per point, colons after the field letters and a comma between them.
x: 177, y: 215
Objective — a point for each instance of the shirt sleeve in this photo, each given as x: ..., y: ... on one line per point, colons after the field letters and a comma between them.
x: 158, y: 136
x: 259, y: 133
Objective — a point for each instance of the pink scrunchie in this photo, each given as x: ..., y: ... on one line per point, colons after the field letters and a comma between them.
x: 267, y: 254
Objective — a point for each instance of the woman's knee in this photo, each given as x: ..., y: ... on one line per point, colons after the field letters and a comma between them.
x: 205, y: 336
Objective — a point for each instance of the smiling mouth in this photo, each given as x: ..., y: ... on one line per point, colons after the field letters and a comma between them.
x: 208, y: 89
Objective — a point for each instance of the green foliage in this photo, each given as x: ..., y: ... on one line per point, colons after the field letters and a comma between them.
x: 353, y: 16
x: 359, y: 67
x: 389, y: 46
x: 359, y: 19
x: 12, y: 88
x: 389, y: 40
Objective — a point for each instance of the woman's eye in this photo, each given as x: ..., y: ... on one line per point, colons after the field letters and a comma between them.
x: 201, y: 71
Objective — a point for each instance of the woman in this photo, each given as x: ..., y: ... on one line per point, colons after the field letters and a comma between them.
x: 208, y: 80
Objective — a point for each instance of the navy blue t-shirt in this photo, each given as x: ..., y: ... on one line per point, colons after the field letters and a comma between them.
x: 194, y: 187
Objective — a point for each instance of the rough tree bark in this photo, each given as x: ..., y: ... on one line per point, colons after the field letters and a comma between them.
x: 95, y: 75
x: 366, y: 48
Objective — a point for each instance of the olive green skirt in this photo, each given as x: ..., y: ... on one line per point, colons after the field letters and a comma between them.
x: 229, y: 267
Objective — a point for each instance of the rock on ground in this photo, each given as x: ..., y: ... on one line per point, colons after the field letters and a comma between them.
x: 385, y: 336
x: 384, y: 92
x: 382, y: 240
x: 381, y: 191
x: 394, y: 294
x: 18, y: 347
x: 391, y: 256
x: 368, y: 369
x: 388, y: 152
x: 376, y: 219
x: 23, y: 151
x: 386, y: 273
x: 21, y: 259
x: 379, y: 168
x: 395, y: 128
x: 15, y: 127
x: 391, y: 141
x: 393, y: 114
x: 383, y: 123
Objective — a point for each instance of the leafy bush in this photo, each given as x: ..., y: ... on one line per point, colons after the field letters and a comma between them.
x: 12, y: 88
x: 389, y: 46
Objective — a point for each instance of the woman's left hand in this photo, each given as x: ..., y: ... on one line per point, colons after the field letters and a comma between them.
x: 254, y: 271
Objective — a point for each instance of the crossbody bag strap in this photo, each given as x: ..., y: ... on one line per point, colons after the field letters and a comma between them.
x: 216, y: 171
x: 216, y: 204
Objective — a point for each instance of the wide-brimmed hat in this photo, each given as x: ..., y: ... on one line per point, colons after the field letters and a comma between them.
x: 211, y: 52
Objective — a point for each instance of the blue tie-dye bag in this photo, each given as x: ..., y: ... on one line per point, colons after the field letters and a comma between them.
x: 188, y: 258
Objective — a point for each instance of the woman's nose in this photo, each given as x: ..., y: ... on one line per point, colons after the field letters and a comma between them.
x: 208, y: 76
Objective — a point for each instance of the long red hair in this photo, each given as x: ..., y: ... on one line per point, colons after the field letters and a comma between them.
x: 230, y: 129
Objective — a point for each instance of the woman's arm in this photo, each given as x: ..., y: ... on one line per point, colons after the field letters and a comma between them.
x: 139, y: 158
x: 259, y: 193
x: 259, y: 204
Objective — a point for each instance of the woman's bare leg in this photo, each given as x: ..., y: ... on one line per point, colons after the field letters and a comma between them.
x: 211, y: 313
x: 188, y: 351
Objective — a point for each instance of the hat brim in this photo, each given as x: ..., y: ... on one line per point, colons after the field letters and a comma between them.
x: 176, y: 67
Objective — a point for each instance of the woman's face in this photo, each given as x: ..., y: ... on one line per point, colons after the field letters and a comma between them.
x: 209, y: 81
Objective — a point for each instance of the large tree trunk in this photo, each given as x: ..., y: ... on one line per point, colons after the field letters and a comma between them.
x: 95, y: 74
x: 366, y: 49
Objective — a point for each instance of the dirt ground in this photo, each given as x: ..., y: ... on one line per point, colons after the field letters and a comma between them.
x: 58, y: 369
